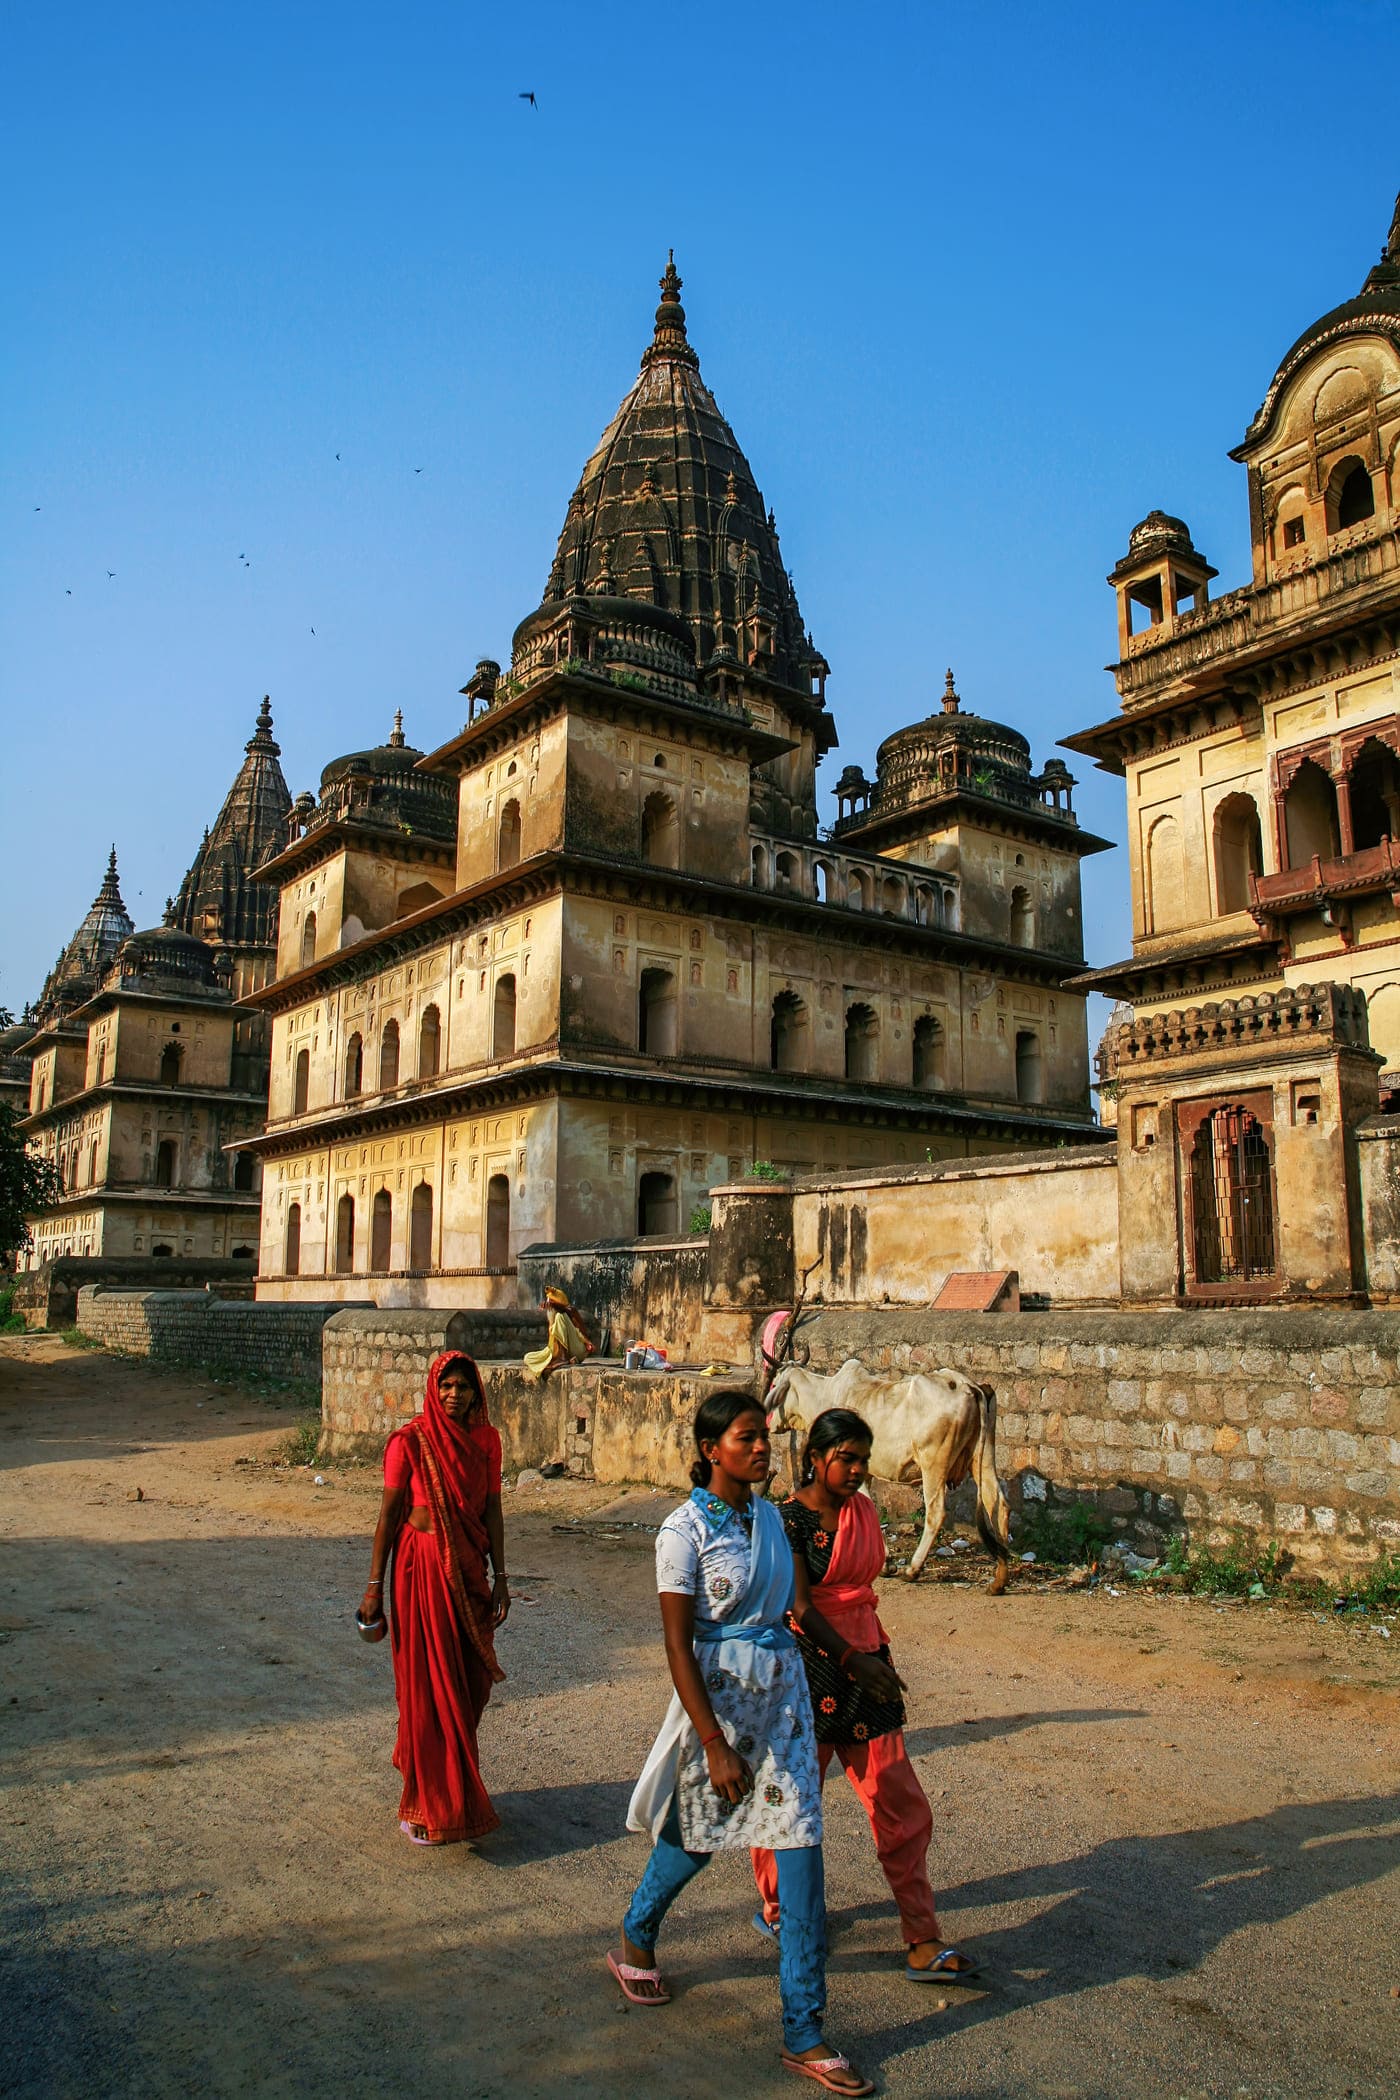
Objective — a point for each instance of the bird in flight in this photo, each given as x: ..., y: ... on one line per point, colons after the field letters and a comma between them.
x: 110, y: 574
x: 337, y: 455
x: 417, y: 470
x: 313, y: 630
x: 67, y: 594
x: 528, y: 95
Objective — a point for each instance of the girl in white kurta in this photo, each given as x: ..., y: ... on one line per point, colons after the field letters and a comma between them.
x: 735, y: 1763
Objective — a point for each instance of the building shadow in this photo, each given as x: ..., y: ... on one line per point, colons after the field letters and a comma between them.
x: 985, y: 1728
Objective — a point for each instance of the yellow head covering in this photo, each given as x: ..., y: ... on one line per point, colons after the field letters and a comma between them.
x: 554, y: 1296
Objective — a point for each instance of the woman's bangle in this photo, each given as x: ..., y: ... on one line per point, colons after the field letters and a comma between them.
x: 375, y: 1583
x: 717, y: 1737
x: 841, y: 1658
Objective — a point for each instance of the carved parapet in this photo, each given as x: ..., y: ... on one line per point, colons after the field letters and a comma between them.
x: 1322, y: 1015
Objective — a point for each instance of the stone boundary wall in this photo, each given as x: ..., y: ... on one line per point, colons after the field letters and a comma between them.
x: 1263, y: 1424
x: 193, y: 1328
x: 375, y: 1363
x: 48, y: 1296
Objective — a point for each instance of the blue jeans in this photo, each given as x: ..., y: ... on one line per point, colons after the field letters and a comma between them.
x: 802, y: 1941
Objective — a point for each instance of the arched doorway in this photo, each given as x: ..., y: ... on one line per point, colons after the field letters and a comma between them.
x: 1239, y: 851
x: 656, y: 1202
x: 862, y: 1042
x: 389, y: 1056
x: 165, y: 1164
x: 503, y: 1019
x: 1310, y: 816
x: 661, y: 831
x: 301, y: 1083
x: 420, y: 1227
x: 1028, y: 1074
x: 429, y: 1043
x: 354, y: 1065
x: 656, y: 1013
x: 788, y: 1034
x: 927, y: 1060
x: 508, y: 847
x: 170, y: 1065
x: 1022, y: 918
x: 498, y: 1222
x: 381, y: 1232
x: 291, y: 1246
x: 1375, y: 795
x: 345, y: 1236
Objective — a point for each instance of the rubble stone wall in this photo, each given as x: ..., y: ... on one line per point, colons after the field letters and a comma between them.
x: 1271, y: 1424
x: 47, y: 1296
x: 375, y: 1362
x: 279, y: 1342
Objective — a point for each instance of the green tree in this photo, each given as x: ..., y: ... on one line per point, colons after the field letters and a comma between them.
x: 26, y: 1183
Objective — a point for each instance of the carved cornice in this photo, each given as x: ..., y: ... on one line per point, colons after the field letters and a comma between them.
x: 1319, y: 1016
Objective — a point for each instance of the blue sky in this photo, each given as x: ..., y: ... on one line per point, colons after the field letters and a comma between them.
x: 976, y: 287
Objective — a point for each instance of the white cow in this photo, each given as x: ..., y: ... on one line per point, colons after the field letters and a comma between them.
x: 936, y: 1426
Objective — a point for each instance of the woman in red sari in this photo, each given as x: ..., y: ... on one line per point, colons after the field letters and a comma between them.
x: 441, y: 1518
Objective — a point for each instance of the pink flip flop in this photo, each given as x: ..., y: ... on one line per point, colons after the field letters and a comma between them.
x: 413, y: 1838
x: 627, y: 1976
x: 820, y: 2069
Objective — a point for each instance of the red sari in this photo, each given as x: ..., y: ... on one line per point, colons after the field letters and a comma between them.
x: 444, y: 1655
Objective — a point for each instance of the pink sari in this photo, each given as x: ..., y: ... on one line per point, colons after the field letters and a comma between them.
x: 846, y: 1595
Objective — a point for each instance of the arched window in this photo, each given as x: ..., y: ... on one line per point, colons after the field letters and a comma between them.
x: 862, y: 1042
x: 822, y: 881
x: 291, y: 1246
x: 165, y: 1164
x: 1351, y: 496
x: 498, y: 1222
x: 656, y: 1203
x: 301, y: 1082
x: 1232, y: 1198
x: 892, y: 897
x: 243, y: 1172
x: 92, y: 1164
x: 661, y: 831
x: 858, y: 890
x: 429, y: 1043
x: 381, y: 1232
x: 308, y: 940
x: 1310, y: 816
x: 1028, y: 1078
x: 1375, y: 795
x: 656, y: 1014
x: 788, y: 871
x: 162, y: 1252
x: 927, y: 1070
x: 345, y: 1236
x: 503, y: 1020
x: 1239, y: 851
x: 389, y: 1056
x: 788, y: 1034
x: 759, y: 867
x: 354, y: 1065
x: 420, y: 1227
x: 1022, y: 918
x: 1166, y: 876
x: 508, y: 840
x: 170, y: 1065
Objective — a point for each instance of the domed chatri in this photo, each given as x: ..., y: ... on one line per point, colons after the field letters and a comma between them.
x: 954, y: 748
x: 91, y: 952
x: 381, y: 787
x: 166, y: 958
x: 1374, y: 311
x: 667, y: 513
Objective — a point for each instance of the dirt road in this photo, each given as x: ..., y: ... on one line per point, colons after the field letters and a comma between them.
x: 1171, y: 1830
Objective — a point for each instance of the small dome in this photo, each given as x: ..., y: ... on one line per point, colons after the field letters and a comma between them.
x: 163, y: 953
x: 383, y: 787
x: 1158, y: 531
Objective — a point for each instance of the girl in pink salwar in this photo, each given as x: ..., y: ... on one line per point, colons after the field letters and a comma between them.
x: 838, y: 1551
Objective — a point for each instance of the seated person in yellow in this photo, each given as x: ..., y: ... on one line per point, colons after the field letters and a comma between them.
x: 568, y: 1337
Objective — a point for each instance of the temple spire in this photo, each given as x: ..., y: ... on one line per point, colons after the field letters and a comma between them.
x: 396, y: 739
x: 110, y: 892
x: 951, y: 702
x: 670, y: 340
x: 262, y: 739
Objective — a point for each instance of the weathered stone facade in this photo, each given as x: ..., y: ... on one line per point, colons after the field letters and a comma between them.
x: 591, y: 957
x: 280, y: 1343
x: 1259, y: 732
x: 143, y: 1068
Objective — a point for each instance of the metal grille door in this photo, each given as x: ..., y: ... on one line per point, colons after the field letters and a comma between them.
x: 1232, y: 1199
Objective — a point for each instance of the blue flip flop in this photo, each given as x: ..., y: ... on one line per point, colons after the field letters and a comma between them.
x: 761, y: 1925
x: 938, y: 1971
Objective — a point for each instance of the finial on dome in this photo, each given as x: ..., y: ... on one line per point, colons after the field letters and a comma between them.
x: 261, y: 740
x: 396, y: 740
x: 669, y: 340
x: 1391, y: 251
x: 169, y: 918
x: 951, y: 702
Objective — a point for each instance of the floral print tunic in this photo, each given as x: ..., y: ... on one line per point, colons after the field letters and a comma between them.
x: 706, y: 1550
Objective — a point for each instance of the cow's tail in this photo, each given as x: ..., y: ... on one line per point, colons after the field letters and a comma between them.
x: 993, y: 1515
